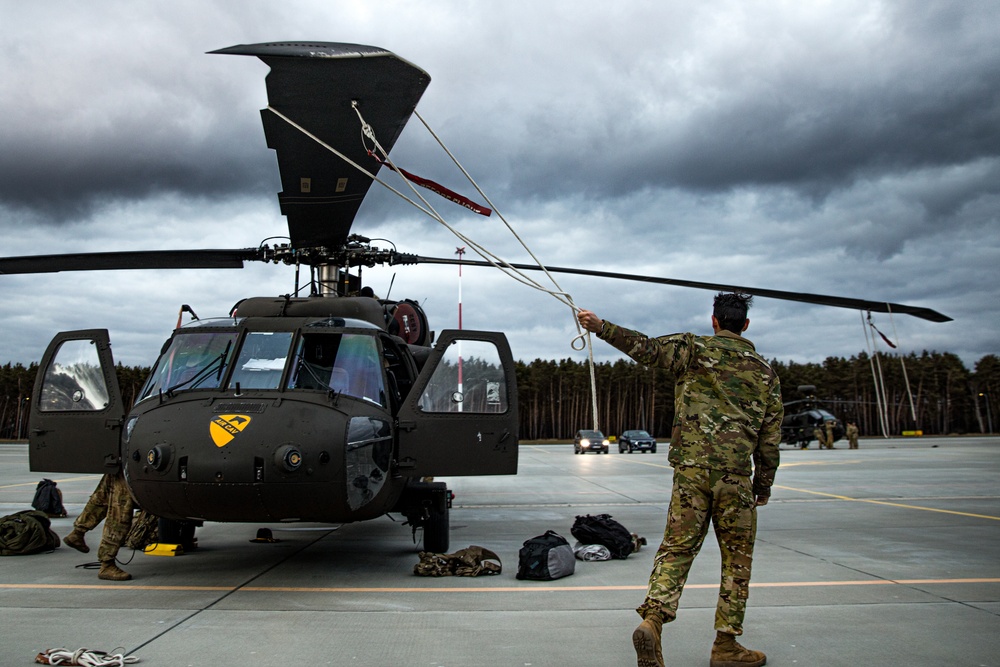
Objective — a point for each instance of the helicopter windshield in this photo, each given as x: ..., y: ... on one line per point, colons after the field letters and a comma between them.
x: 193, y: 361
x: 262, y: 359
x: 348, y: 364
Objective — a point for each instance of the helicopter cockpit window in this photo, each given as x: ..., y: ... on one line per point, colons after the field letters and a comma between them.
x: 74, y: 380
x: 469, y: 378
x: 347, y: 364
x: 262, y: 359
x: 192, y: 361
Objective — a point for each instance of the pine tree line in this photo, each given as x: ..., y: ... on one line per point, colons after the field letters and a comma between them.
x: 555, y: 399
x: 944, y: 397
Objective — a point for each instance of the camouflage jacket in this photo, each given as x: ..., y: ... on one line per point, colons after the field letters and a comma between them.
x: 727, y: 400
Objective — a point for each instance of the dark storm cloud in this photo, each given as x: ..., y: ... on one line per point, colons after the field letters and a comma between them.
x: 56, y: 186
x: 807, y: 105
x: 125, y: 108
x: 149, y: 143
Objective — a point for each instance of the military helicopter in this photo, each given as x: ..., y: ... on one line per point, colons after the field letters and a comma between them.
x: 803, y: 416
x: 333, y: 407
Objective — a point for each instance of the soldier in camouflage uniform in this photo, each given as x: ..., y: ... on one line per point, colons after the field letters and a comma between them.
x: 112, y: 502
x: 727, y: 414
x: 852, y: 435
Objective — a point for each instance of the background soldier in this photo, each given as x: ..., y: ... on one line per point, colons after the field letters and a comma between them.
x: 820, y: 438
x: 727, y: 412
x: 829, y: 435
x: 852, y: 435
x: 111, y: 502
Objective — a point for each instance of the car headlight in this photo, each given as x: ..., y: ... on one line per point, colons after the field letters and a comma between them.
x: 605, y: 443
x: 585, y: 443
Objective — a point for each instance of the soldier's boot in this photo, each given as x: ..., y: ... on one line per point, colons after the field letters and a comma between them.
x: 76, y: 540
x: 111, y: 572
x: 646, y: 640
x: 727, y: 652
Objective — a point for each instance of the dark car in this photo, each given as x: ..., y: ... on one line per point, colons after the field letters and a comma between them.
x: 590, y: 441
x: 630, y: 441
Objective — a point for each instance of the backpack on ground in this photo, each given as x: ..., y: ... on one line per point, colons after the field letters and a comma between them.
x: 472, y: 561
x: 26, y: 532
x: 602, y: 529
x: 48, y: 499
x: 545, y: 558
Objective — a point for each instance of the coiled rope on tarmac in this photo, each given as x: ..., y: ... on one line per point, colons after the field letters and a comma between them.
x: 85, y: 657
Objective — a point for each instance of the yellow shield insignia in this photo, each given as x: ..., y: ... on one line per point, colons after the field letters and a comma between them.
x: 226, y: 427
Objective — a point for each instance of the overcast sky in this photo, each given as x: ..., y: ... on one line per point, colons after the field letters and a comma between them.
x: 848, y: 148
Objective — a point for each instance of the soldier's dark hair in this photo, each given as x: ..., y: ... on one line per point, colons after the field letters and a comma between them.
x: 730, y: 309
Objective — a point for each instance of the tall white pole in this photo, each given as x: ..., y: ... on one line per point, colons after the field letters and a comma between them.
x: 460, y: 251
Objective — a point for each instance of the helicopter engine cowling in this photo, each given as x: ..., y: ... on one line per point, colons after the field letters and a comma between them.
x: 408, y: 320
x: 362, y: 308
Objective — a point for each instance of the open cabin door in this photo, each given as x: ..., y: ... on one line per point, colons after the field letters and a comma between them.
x: 460, y: 418
x: 76, y: 406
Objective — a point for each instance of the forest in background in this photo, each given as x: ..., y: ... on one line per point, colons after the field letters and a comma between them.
x: 554, y: 397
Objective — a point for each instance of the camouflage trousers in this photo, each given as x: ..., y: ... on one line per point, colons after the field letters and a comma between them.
x: 701, y: 496
x: 112, y: 503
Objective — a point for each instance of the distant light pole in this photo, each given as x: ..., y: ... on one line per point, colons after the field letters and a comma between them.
x: 989, y: 414
x: 460, y: 251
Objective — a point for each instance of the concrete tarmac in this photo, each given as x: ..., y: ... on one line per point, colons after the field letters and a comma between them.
x: 885, y: 555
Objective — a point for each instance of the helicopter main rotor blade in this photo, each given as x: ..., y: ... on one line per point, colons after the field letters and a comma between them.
x: 322, y: 87
x: 804, y: 297
x: 140, y: 259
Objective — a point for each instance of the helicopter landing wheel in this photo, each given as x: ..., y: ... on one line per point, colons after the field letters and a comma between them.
x: 436, y: 529
x: 177, y: 532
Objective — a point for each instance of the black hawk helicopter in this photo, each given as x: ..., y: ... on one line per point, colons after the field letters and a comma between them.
x: 803, y: 416
x: 331, y: 408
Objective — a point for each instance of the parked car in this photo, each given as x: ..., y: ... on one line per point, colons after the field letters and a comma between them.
x: 630, y: 441
x: 590, y: 441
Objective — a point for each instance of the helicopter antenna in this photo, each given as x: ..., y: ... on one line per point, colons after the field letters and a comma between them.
x: 390, y: 286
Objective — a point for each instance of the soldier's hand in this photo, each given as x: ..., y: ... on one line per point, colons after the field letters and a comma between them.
x: 589, y: 321
x: 760, y: 501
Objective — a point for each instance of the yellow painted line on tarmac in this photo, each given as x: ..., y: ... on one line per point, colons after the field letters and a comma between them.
x: 485, y: 589
x: 885, y: 502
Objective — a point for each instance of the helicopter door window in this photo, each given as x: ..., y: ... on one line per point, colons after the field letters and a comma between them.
x: 469, y: 378
x: 74, y: 380
x: 192, y: 361
x: 262, y: 359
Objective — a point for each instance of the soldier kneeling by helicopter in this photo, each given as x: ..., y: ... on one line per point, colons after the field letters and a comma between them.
x: 112, y: 503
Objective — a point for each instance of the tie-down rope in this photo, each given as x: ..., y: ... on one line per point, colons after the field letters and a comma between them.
x: 559, y: 294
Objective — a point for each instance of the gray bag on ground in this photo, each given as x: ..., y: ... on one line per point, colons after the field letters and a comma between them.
x: 545, y: 558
